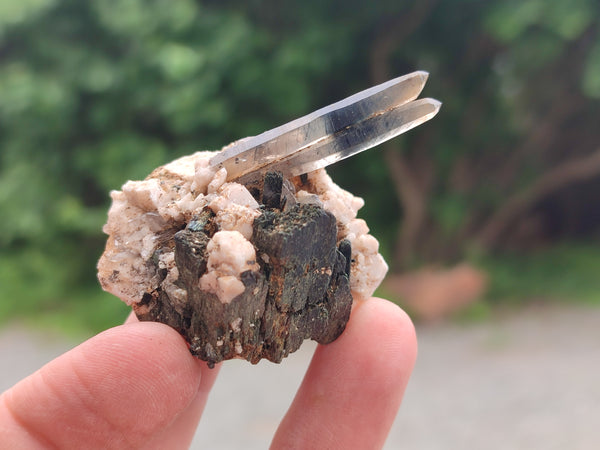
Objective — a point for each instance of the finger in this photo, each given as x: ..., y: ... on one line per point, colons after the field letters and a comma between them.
x: 184, y: 427
x: 131, y: 318
x: 181, y: 432
x: 122, y: 388
x: 353, y: 388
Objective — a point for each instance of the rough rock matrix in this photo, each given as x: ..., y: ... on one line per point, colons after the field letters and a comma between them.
x: 240, y: 271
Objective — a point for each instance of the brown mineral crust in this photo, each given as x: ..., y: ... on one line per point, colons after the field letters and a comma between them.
x: 301, y: 291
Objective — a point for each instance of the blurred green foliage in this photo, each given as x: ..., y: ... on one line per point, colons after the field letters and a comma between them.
x: 563, y: 272
x: 94, y: 93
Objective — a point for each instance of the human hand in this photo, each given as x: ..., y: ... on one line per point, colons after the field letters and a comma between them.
x: 137, y: 385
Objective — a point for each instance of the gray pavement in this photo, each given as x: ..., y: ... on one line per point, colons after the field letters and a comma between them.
x: 526, y: 379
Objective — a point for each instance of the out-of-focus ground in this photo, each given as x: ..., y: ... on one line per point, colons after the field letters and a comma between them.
x: 523, y: 379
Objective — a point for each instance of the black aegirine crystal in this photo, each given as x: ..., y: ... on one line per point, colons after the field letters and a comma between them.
x: 301, y: 291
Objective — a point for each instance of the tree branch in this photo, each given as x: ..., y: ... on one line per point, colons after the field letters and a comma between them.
x: 570, y: 172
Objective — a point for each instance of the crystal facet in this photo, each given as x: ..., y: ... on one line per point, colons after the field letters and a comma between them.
x: 330, y: 134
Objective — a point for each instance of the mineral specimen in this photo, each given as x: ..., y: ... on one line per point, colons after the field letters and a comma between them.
x: 240, y: 271
x: 249, y: 251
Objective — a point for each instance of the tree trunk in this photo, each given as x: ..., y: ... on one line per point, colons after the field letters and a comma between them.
x: 413, y: 201
x: 410, y: 195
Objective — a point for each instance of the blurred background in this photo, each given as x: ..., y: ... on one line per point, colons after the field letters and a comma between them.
x: 491, y: 207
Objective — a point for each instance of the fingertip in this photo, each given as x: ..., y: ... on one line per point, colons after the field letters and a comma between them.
x: 147, y: 361
x: 146, y: 351
x: 119, y: 388
x: 393, y: 327
x: 131, y: 318
x: 380, y: 339
x: 354, y: 386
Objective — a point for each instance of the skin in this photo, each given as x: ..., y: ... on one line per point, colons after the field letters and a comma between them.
x: 136, y: 385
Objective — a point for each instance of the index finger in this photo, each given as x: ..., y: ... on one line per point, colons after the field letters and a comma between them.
x: 353, y: 387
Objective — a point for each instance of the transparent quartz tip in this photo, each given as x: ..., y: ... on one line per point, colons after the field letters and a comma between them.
x: 340, y: 130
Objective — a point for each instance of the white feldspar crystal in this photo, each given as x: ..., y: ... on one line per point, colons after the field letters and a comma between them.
x: 235, y: 207
x: 145, y: 211
x: 229, y: 254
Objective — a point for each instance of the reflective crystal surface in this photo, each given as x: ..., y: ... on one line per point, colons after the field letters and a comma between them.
x: 335, y: 132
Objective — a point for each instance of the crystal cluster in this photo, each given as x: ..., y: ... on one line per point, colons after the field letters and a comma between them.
x: 240, y: 271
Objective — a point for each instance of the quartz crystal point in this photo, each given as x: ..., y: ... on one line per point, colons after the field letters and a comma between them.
x: 330, y: 134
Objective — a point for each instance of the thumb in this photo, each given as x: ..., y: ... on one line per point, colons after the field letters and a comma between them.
x: 123, y: 388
